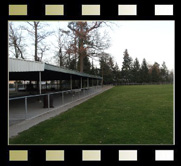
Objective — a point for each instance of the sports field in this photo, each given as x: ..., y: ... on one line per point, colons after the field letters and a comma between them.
x: 141, y: 114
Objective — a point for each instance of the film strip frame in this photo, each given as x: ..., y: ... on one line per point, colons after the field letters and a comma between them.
x: 62, y: 10
x: 87, y: 154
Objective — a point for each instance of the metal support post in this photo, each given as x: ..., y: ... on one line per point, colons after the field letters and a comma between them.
x: 26, y: 108
x: 81, y: 82
x: 70, y: 82
x: 48, y: 101
x: 16, y: 86
x: 62, y: 98
x: 87, y: 82
x: 40, y: 82
x: 72, y: 96
x: 87, y: 86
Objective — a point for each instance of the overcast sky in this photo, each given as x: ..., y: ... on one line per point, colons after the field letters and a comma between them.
x: 152, y: 40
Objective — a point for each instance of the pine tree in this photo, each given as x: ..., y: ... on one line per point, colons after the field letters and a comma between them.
x: 155, y: 73
x: 126, y: 67
x: 136, y: 71
x: 105, y: 68
x: 144, y: 72
x: 164, y: 73
x: 116, y: 74
x: 72, y: 64
x: 86, y: 65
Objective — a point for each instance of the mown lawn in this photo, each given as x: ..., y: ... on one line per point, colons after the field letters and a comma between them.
x: 140, y: 114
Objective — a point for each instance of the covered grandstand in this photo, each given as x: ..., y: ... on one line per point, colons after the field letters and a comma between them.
x: 41, y: 72
x: 36, y: 88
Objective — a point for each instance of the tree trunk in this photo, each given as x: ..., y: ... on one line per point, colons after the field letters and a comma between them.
x: 69, y: 60
x: 81, y: 63
x: 102, y: 74
x: 20, y: 52
x: 16, y: 51
x: 60, y: 57
x: 75, y: 51
x: 36, y: 42
x: 81, y: 56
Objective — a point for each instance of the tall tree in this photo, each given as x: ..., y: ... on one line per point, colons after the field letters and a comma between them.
x: 126, y: 67
x: 116, y: 74
x: 111, y: 63
x: 87, y: 44
x: 144, y: 72
x: 136, y: 71
x: 105, y: 69
x: 15, y: 41
x: 171, y: 76
x: 61, y: 46
x: 164, y: 72
x: 87, y: 65
x: 155, y: 72
x: 72, y: 64
x: 38, y: 33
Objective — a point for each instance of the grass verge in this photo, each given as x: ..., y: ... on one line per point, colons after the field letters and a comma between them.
x: 121, y: 115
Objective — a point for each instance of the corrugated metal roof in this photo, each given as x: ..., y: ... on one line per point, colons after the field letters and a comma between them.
x: 18, y: 65
x: 69, y: 71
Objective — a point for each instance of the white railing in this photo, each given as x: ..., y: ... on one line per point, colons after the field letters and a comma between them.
x: 62, y: 98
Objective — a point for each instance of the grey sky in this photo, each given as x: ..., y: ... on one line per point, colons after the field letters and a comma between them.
x: 152, y: 40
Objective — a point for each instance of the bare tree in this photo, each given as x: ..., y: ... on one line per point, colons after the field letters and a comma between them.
x: 61, y: 46
x: 38, y: 33
x: 88, y: 39
x: 15, y: 41
x: 42, y: 51
x: 66, y: 46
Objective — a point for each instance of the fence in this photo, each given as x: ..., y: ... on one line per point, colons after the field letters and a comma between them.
x: 27, y: 107
x: 144, y: 83
x: 22, y: 87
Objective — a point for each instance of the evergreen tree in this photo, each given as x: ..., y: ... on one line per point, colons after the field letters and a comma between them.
x: 105, y: 70
x: 126, y: 67
x: 86, y: 65
x: 164, y: 73
x: 72, y: 64
x: 93, y: 69
x: 171, y: 76
x: 110, y: 63
x: 116, y: 74
x: 144, y: 72
x: 136, y: 71
x: 155, y: 73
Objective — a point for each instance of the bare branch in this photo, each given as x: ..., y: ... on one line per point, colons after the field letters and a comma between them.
x: 15, y: 41
x: 39, y: 34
